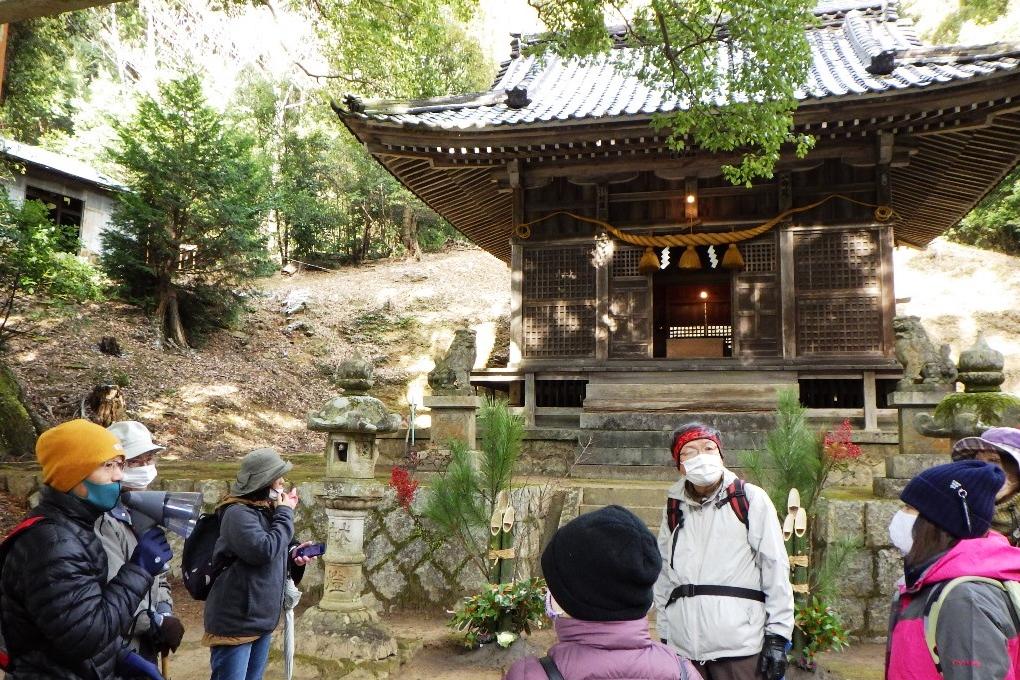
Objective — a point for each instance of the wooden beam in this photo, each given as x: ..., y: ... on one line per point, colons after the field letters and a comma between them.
x: 12, y: 11
x: 4, y: 32
x: 870, y: 402
x: 788, y: 312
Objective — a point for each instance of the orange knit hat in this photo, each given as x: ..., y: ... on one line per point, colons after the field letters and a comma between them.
x: 72, y: 451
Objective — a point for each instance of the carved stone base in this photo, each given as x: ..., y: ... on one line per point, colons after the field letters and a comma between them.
x: 909, y: 405
x: 337, y: 636
x: 453, y: 417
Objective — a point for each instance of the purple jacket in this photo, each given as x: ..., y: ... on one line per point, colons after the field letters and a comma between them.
x: 621, y: 650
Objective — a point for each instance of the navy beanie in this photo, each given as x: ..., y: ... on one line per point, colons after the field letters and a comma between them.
x: 602, y: 565
x: 947, y: 495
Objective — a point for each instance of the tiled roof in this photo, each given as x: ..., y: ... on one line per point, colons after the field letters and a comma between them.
x: 65, y: 165
x: 859, y: 49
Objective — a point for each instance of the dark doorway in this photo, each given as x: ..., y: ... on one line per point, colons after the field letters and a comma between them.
x: 65, y: 212
x: 693, y: 313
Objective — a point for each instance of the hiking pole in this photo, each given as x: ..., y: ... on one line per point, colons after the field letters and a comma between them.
x: 164, y: 665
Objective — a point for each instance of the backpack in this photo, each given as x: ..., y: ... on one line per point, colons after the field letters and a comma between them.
x: 933, y: 607
x: 198, y: 568
x: 5, y: 546
x: 735, y: 496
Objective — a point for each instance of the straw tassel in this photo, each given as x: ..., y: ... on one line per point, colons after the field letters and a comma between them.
x: 649, y: 263
x: 690, y: 259
x: 732, y: 258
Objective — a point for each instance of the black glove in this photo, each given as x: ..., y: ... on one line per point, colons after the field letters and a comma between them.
x: 130, y: 664
x: 772, y: 662
x: 169, y: 634
x: 152, y: 552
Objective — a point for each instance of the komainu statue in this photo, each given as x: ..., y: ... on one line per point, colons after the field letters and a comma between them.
x: 924, y: 366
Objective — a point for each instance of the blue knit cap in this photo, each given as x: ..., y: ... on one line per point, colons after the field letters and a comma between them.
x: 957, y: 497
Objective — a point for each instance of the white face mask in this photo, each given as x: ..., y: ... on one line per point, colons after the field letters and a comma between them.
x: 901, y: 530
x: 138, y: 477
x: 704, y: 469
x: 274, y: 494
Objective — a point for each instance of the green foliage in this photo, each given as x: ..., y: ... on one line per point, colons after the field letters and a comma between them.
x: 73, y: 280
x: 30, y: 261
x: 995, y: 222
x: 463, y: 496
x: 825, y: 572
x: 50, y: 62
x: 194, y: 181
x: 414, y: 48
x: 792, y: 457
x: 989, y: 406
x: 504, y: 607
x: 742, y: 102
x: 977, y: 11
x: 822, y: 628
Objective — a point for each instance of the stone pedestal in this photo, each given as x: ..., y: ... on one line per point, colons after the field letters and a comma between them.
x: 917, y: 451
x: 909, y: 405
x: 453, y: 417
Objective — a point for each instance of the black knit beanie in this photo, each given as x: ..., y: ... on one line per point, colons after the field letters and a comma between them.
x: 602, y: 565
x: 959, y: 497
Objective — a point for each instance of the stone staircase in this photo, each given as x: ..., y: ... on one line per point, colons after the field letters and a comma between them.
x: 645, y: 500
x: 642, y: 439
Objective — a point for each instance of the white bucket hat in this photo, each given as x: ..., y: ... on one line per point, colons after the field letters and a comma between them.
x: 135, y: 438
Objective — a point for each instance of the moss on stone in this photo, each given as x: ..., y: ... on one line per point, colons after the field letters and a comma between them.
x: 17, y: 433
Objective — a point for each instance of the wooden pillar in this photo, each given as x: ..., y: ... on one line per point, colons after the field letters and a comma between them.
x: 516, y: 286
x: 787, y: 292
x: 529, y: 399
x: 5, y: 30
x: 602, y: 280
x: 870, y: 402
x: 888, y: 293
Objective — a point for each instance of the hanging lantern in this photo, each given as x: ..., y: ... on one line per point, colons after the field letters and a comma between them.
x: 732, y: 259
x: 690, y: 259
x: 649, y: 263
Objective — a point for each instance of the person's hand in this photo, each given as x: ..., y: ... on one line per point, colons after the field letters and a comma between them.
x: 152, y: 552
x: 131, y: 664
x: 299, y: 560
x: 290, y: 499
x: 772, y: 662
x: 171, y: 631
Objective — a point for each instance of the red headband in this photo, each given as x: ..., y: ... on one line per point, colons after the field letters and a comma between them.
x: 689, y: 436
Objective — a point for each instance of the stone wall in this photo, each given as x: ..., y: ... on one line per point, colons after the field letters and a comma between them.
x: 406, y: 566
x: 868, y: 576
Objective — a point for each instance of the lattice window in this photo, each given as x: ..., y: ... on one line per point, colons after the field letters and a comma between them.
x: 559, y: 329
x: 837, y: 260
x: 839, y: 325
x: 558, y: 273
x: 625, y: 262
x: 759, y: 255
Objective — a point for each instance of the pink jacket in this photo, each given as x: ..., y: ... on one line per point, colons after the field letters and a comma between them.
x: 621, y: 650
x: 975, y: 636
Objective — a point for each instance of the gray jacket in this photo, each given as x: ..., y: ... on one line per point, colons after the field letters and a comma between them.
x: 247, y: 598
x: 114, y: 531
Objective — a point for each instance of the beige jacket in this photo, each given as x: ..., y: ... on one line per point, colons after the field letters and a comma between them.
x: 715, y: 548
x: 119, y: 541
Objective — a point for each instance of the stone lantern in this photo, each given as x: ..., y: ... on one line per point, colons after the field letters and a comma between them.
x: 342, y: 627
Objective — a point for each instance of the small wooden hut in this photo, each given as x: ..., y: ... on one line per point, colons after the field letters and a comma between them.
x: 557, y: 171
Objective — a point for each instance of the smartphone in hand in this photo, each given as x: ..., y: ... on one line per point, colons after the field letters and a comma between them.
x: 313, y: 550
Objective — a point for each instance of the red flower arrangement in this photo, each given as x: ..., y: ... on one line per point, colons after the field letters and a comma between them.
x: 405, y: 486
x: 839, y: 447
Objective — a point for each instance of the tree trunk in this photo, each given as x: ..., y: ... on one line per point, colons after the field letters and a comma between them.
x: 409, y: 234
x: 168, y: 315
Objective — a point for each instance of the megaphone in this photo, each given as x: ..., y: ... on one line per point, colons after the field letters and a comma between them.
x: 177, y: 511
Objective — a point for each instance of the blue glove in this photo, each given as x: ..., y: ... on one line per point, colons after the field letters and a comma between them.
x: 152, y: 552
x: 131, y: 664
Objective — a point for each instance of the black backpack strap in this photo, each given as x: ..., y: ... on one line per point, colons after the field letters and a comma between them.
x: 691, y: 590
x: 549, y: 666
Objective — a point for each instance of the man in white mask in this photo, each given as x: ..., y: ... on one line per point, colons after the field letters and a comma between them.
x: 156, y: 630
x: 723, y: 598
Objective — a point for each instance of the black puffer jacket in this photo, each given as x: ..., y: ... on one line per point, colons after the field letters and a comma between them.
x: 247, y: 598
x: 60, y: 617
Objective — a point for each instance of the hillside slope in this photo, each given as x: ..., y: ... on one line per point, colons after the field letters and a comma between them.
x: 254, y: 386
